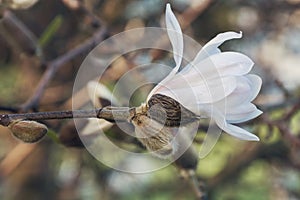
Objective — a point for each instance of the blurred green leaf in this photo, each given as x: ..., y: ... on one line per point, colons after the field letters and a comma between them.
x: 50, y: 31
x: 295, y: 126
x: 52, y: 134
x: 252, y: 184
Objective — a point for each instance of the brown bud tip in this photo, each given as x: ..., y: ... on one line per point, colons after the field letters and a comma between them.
x: 169, y: 112
x: 28, y: 131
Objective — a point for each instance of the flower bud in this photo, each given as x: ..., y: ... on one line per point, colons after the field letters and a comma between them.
x: 28, y: 131
x: 155, y: 124
x: 157, y: 138
x: 168, y: 111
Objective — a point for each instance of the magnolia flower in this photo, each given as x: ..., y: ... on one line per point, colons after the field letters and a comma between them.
x: 215, y: 84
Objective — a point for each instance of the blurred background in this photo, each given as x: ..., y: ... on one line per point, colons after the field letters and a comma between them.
x: 42, y: 45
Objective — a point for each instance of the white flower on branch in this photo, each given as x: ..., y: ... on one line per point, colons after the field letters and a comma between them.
x: 219, y: 81
x: 213, y: 85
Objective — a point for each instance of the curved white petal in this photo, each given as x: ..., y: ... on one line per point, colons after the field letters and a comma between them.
x: 255, y: 84
x: 241, y: 113
x: 240, y: 95
x: 222, y: 64
x: 233, y: 130
x: 242, y: 108
x: 243, y: 117
x: 192, y: 93
x: 236, y: 107
x: 247, y: 89
x: 176, y: 38
x: 212, y: 46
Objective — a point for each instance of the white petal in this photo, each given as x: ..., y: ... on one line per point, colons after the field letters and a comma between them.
x: 242, y: 108
x: 237, y: 107
x: 233, y: 130
x: 242, y: 113
x: 255, y: 84
x: 247, y: 89
x: 240, y: 95
x: 176, y: 38
x: 192, y: 93
x: 222, y: 64
x: 243, y: 117
x: 212, y: 46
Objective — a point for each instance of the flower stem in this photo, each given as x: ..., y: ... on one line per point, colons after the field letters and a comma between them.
x: 107, y: 113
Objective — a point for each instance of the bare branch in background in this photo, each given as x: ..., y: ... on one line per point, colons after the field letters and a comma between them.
x: 25, y: 40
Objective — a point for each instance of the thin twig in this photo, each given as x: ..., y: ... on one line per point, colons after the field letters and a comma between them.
x: 281, y: 86
x: 8, y: 109
x: 107, y: 113
x: 191, y: 178
x: 26, y: 40
x: 55, y: 65
x: 295, y: 108
x: 281, y: 105
x: 191, y: 13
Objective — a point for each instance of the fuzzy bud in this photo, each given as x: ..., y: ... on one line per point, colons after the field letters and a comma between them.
x: 28, y: 131
x: 156, y: 124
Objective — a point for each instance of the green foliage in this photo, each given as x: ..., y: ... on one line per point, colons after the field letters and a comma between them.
x: 50, y: 31
x: 295, y: 125
x: 252, y: 184
x: 218, y: 157
x: 267, y: 134
x: 53, y: 135
x: 8, y: 82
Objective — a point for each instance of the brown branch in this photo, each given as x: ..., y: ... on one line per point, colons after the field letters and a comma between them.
x: 55, y: 65
x: 281, y: 105
x: 77, y: 5
x: 281, y: 86
x: 191, y: 178
x: 24, y: 40
x: 27, y: 37
x: 107, y: 113
x: 295, y: 108
x: 191, y: 13
x: 8, y: 109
